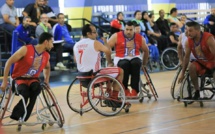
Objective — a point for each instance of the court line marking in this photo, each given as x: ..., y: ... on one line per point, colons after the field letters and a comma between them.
x: 171, y: 121
x: 180, y: 125
x: 108, y: 118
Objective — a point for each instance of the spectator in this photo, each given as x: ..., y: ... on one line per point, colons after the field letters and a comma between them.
x: 34, y: 10
x: 162, y: 23
x: 43, y: 26
x: 9, y: 15
x: 118, y: 24
x: 24, y: 33
x: 173, y: 38
x: 172, y: 18
x: 138, y: 17
x: 48, y: 10
x: 154, y: 37
x: 183, y: 21
x: 154, y: 53
x: 61, y: 32
x: 210, y: 21
x: 1, y: 18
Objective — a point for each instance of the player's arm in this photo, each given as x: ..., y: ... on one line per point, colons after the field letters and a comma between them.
x: 185, y: 62
x: 46, y: 72
x: 211, y: 45
x: 112, y: 41
x: 103, y: 48
x: 14, y: 58
x: 145, y: 50
x: 180, y: 49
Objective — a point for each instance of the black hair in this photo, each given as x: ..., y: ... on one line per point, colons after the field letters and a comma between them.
x: 136, y: 25
x: 193, y: 24
x: 119, y: 14
x: 150, y: 15
x: 137, y: 11
x: 26, y: 17
x: 45, y: 36
x: 172, y: 24
x: 86, y: 28
x: 173, y: 10
x: 59, y: 14
x: 130, y: 23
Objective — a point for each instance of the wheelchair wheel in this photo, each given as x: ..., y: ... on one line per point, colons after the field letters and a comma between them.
x: 53, y: 105
x: 187, y: 90
x: 100, y: 95
x: 75, y: 97
x: 169, y: 58
x: 5, y: 99
x: 175, y: 87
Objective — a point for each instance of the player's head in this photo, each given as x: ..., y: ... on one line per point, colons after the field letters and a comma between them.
x: 193, y: 29
x: 46, y: 39
x: 129, y: 29
x: 89, y: 31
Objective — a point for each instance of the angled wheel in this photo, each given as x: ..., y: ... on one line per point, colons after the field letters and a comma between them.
x: 5, y: 99
x: 187, y: 90
x: 169, y: 58
x: 76, y: 95
x: 175, y: 87
x: 53, y: 105
x: 100, y: 95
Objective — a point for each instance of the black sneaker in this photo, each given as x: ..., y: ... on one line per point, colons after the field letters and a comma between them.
x: 196, y: 95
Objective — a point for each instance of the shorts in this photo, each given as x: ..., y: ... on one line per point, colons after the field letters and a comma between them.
x: 202, y: 66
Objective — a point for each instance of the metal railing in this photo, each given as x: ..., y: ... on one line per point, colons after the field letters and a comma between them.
x: 85, y: 21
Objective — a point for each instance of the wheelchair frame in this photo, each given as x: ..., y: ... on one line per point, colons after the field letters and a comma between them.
x: 89, y: 93
x: 49, y: 104
x: 203, y: 88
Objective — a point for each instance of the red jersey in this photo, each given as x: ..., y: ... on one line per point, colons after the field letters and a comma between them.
x: 32, y: 64
x: 201, y: 50
x: 123, y: 45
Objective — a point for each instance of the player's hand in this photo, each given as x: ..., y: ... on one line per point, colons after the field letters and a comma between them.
x: 3, y: 86
x: 211, y: 22
x: 110, y: 64
x: 181, y: 77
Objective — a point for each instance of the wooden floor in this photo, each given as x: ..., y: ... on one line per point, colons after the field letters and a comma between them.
x: 151, y: 117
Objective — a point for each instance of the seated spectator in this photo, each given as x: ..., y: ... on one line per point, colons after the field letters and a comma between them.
x: 172, y: 18
x: 162, y: 23
x: 9, y: 16
x: 43, y: 26
x: 183, y: 21
x: 138, y: 17
x: 61, y: 32
x: 1, y: 18
x: 117, y: 24
x: 154, y: 53
x: 173, y: 38
x: 154, y: 37
x: 34, y: 10
x: 24, y: 33
x: 210, y: 21
x: 48, y: 10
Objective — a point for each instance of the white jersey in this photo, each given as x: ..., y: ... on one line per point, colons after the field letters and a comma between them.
x: 87, y: 58
x: 183, y: 42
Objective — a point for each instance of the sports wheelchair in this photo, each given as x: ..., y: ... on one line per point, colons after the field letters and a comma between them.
x: 207, y: 89
x: 90, y: 91
x: 144, y: 88
x: 47, y: 111
x: 169, y: 58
